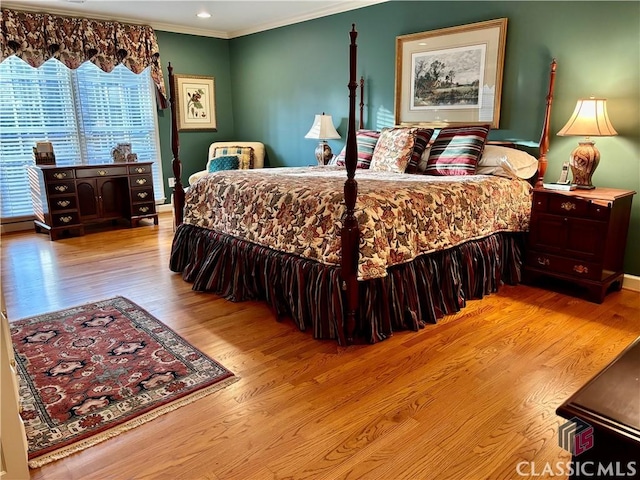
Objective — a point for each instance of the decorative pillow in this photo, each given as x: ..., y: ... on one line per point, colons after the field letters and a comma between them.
x: 456, y: 150
x: 506, y: 162
x: 228, y: 162
x: 245, y: 155
x: 394, y: 149
x: 423, y: 136
x: 366, y: 141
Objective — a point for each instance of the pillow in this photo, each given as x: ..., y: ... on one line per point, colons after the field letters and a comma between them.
x: 366, y: 141
x: 228, y: 162
x: 397, y: 146
x: 456, y: 150
x: 245, y: 155
x: 506, y: 162
x: 422, y: 144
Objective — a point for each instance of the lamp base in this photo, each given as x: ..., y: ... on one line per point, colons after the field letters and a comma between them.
x: 583, y: 162
x: 323, y: 153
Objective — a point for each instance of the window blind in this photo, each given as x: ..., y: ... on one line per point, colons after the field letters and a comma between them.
x: 84, y: 113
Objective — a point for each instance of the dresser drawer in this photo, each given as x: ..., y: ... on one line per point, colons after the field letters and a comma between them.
x: 53, y: 175
x: 106, y: 171
x: 564, y: 265
x: 139, y: 169
x: 148, y: 208
x: 143, y: 194
x: 140, y: 180
x: 67, y: 202
x: 59, y: 188
x: 65, y: 219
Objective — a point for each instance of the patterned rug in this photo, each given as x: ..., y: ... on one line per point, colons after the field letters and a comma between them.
x: 92, y: 372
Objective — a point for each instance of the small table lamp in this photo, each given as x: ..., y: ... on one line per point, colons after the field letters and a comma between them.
x: 589, y: 119
x: 323, y: 129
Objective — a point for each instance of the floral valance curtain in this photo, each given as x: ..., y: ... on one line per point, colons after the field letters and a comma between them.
x: 37, y: 37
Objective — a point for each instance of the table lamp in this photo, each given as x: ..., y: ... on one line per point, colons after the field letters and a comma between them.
x: 589, y: 119
x: 323, y: 129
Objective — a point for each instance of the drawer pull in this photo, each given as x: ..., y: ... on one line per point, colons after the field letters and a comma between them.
x: 102, y: 173
x: 580, y: 269
x: 61, y: 188
x: 543, y: 261
x: 60, y: 175
x: 142, y: 194
x: 139, y: 170
x: 66, y: 219
x: 539, y: 202
x: 144, y: 209
x: 63, y: 203
x: 141, y: 181
x: 568, y: 206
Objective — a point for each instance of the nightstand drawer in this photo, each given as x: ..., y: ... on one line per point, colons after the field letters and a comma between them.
x: 574, y: 207
x: 563, y: 265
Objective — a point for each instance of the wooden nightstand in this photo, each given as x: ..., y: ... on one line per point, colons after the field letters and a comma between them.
x: 579, y: 236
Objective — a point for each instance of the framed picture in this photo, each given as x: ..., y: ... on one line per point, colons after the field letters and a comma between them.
x: 451, y: 76
x: 195, y: 102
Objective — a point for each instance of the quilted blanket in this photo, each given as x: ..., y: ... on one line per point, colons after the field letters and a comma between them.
x: 401, y: 216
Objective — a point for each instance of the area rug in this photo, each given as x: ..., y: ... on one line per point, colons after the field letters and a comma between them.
x: 92, y: 372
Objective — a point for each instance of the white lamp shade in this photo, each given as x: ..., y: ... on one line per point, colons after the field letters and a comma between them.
x: 322, y: 128
x: 589, y: 119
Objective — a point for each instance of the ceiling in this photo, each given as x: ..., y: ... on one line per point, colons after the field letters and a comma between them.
x: 228, y: 19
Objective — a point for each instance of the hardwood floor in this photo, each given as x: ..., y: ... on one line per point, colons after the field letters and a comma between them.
x: 468, y: 398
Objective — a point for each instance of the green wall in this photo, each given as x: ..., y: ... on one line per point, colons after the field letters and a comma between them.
x: 276, y: 81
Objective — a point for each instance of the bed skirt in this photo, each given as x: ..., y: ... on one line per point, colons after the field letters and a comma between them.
x: 410, y: 296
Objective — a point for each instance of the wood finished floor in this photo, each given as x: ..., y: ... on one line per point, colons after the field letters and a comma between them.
x: 468, y: 398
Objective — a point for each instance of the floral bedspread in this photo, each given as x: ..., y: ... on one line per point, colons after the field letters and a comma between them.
x: 401, y: 216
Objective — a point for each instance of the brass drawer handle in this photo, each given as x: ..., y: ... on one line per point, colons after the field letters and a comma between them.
x: 141, y: 181
x: 580, y: 269
x: 142, y: 194
x: 543, y: 261
x: 63, y: 203
x: 61, y: 188
x: 144, y: 209
x: 139, y: 170
x: 568, y: 206
x: 66, y: 219
x: 102, y: 173
x: 60, y: 175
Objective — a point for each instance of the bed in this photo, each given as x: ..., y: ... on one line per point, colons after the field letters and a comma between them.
x: 355, y: 260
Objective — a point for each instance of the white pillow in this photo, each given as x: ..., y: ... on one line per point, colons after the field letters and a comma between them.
x: 506, y: 162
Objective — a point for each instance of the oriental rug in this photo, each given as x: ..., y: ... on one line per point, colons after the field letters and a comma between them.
x: 92, y: 372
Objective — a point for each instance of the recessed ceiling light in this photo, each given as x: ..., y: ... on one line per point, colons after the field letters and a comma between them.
x: 203, y: 15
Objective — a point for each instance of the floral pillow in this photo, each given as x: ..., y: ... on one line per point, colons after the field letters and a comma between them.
x: 397, y: 147
x: 456, y: 150
x: 244, y: 154
x: 366, y: 141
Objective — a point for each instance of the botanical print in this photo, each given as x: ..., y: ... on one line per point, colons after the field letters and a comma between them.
x: 450, y: 78
x: 197, y: 101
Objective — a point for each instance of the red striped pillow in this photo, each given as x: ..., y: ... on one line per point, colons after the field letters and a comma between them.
x: 365, y: 143
x: 456, y: 150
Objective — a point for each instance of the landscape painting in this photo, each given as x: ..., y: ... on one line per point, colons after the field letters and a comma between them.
x: 450, y: 78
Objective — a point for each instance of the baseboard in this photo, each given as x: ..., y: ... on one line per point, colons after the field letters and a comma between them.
x: 631, y: 282
x: 164, y: 208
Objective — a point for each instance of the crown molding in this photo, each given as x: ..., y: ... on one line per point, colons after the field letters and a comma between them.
x: 202, y: 32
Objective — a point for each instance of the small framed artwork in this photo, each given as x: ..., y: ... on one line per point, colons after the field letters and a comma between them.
x: 195, y: 102
x: 451, y: 76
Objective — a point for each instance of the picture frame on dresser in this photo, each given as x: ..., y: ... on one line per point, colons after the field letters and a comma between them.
x: 451, y: 75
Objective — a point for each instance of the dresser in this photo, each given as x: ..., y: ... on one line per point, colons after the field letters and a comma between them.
x: 579, y: 236
x: 67, y: 199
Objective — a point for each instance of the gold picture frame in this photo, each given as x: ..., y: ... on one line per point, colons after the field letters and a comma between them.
x: 195, y: 102
x: 451, y: 75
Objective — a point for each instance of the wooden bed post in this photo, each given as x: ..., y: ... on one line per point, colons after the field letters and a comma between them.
x: 544, y: 139
x: 178, y: 190
x: 350, y: 232
x: 361, y: 126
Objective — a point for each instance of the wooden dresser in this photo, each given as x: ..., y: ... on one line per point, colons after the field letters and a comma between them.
x: 579, y: 236
x: 66, y: 199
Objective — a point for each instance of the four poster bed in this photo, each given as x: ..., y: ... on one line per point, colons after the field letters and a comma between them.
x: 352, y: 260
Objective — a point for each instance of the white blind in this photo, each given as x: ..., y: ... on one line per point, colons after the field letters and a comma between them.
x: 84, y: 113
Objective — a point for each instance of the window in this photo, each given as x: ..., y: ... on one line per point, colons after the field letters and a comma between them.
x: 84, y: 113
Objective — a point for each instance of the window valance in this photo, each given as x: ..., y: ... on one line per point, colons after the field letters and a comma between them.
x: 37, y: 37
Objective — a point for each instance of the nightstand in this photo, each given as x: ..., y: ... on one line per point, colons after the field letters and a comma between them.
x: 579, y: 236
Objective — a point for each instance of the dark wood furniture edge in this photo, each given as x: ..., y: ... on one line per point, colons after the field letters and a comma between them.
x: 544, y: 138
x: 178, y: 190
